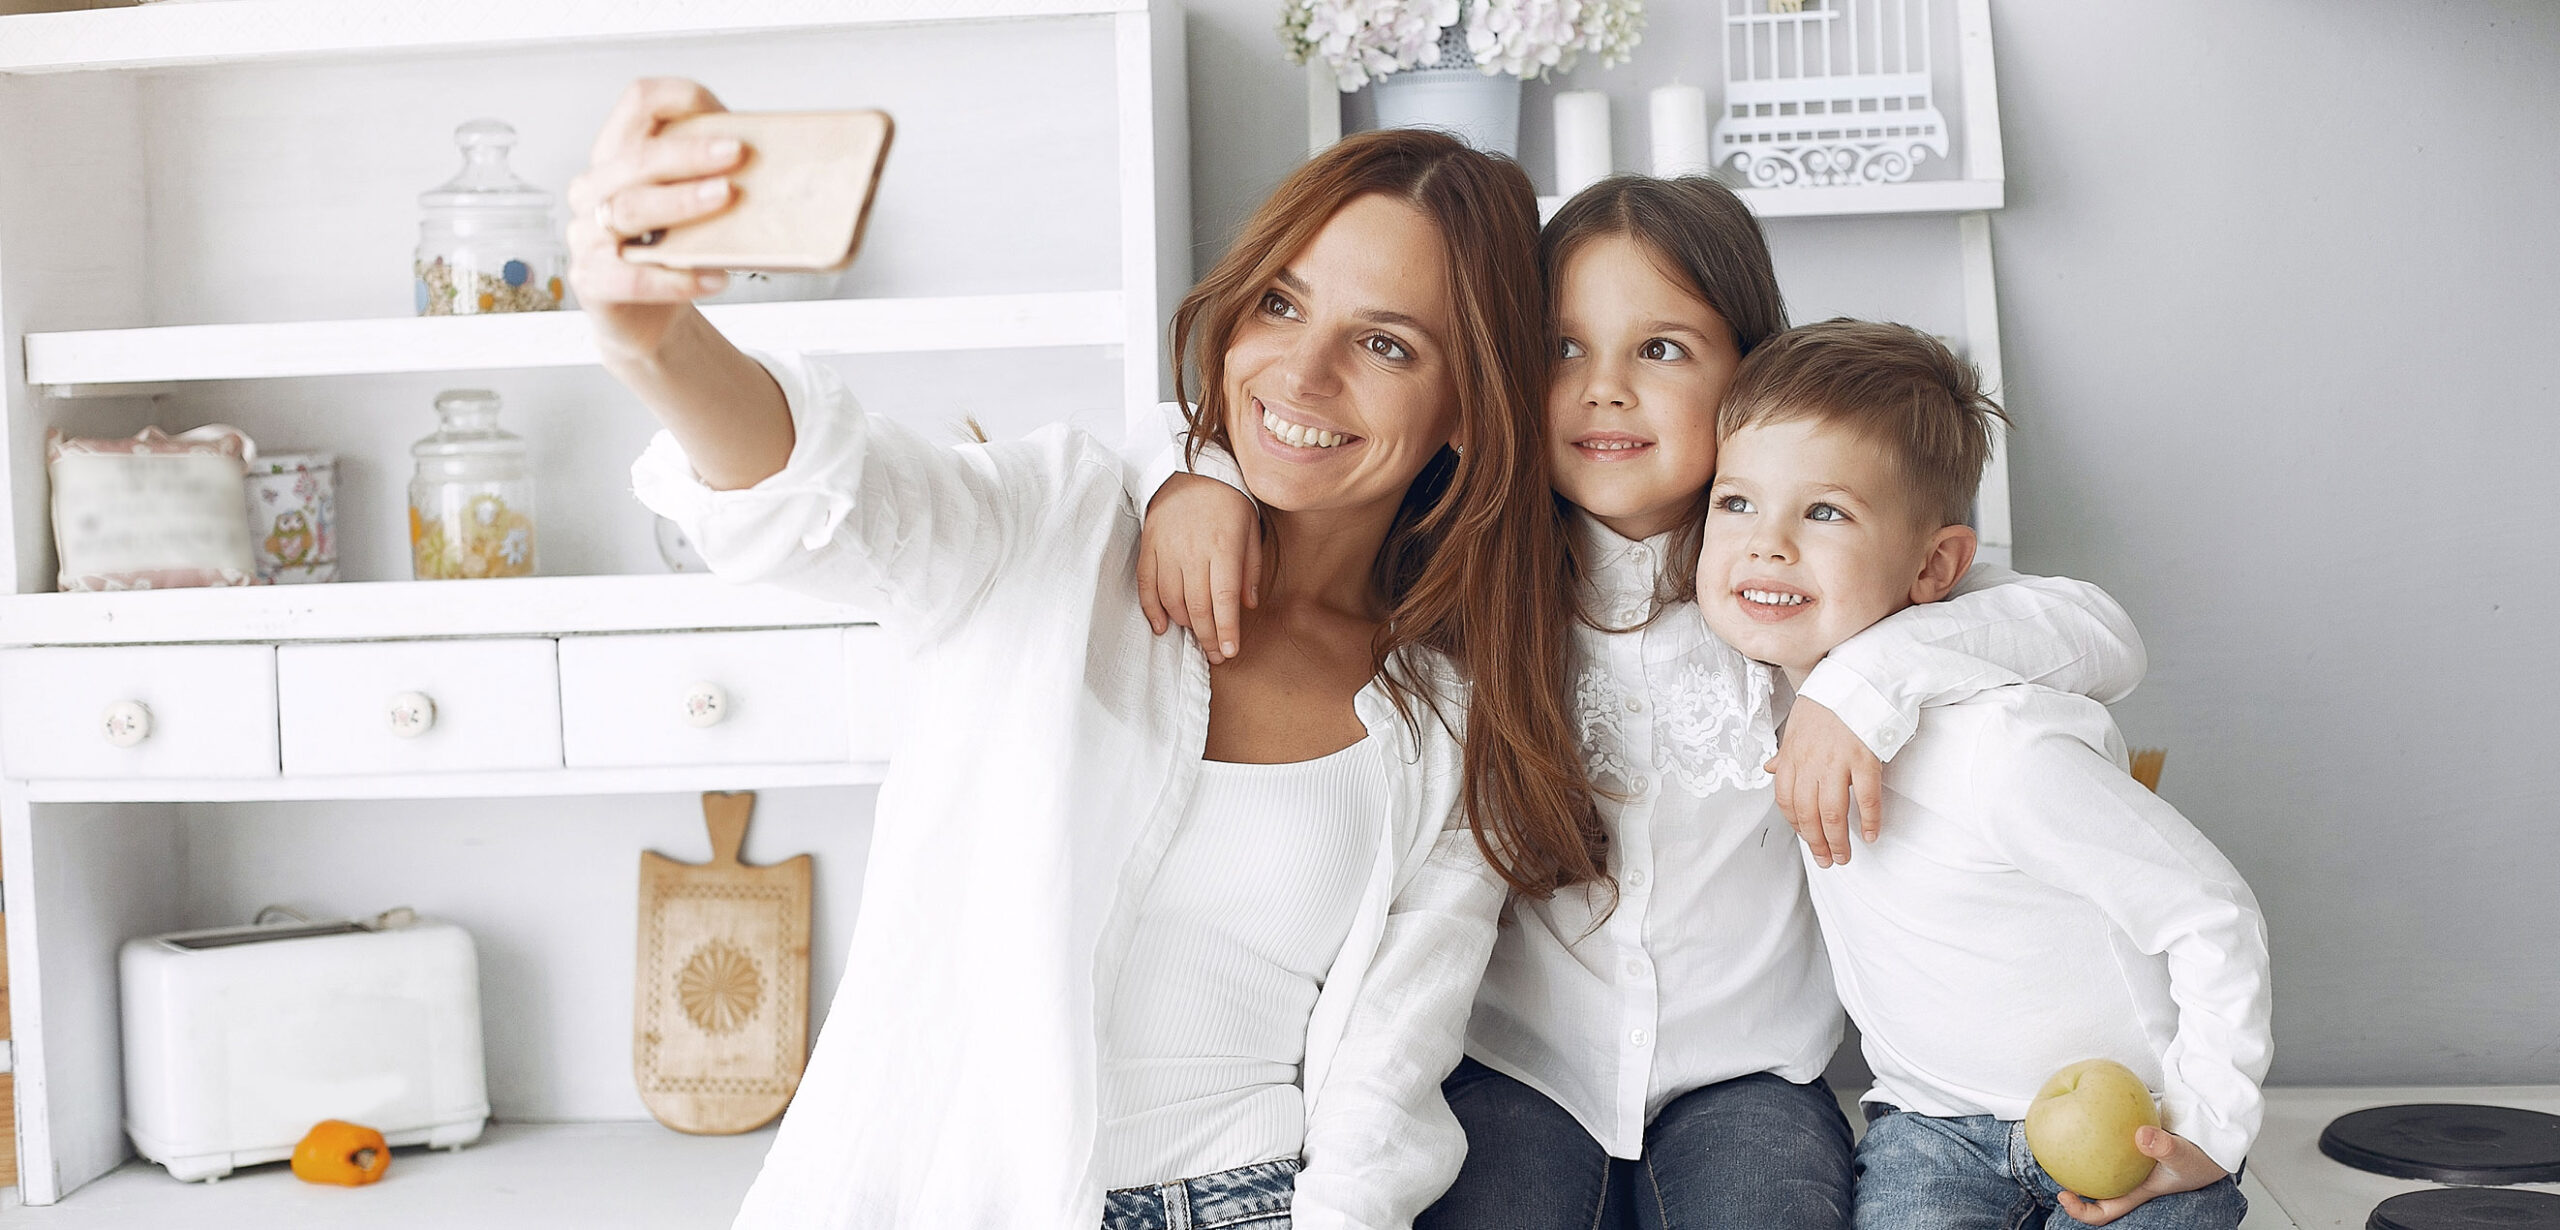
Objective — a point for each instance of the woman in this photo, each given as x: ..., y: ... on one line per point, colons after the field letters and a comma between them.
x: 1144, y: 941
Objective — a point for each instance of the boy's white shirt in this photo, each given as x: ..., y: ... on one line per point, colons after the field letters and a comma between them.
x: 1049, y: 759
x: 1710, y: 966
x: 2030, y: 905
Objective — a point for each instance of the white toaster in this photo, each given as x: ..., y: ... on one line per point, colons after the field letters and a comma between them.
x: 237, y: 1040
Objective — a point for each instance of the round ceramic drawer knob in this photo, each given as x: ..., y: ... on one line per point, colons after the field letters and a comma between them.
x: 705, y: 704
x: 412, y: 714
x: 128, y: 722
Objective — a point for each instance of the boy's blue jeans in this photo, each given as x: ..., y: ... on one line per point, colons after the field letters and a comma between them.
x: 1920, y: 1172
x: 1756, y: 1152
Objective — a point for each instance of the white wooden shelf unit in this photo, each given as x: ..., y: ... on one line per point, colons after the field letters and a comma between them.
x: 206, y: 214
x: 100, y: 362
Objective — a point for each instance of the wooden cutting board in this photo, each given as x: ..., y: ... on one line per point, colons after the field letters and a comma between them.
x: 720, y: 1029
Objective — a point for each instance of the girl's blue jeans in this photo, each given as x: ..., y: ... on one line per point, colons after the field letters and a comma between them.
x: 1920, y: 1172
x: 1757, y: 1152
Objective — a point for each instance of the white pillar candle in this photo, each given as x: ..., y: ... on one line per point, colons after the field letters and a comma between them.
x: 1680, y: 131
x: 1582, y: 140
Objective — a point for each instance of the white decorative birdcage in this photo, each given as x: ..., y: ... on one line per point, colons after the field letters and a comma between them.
x: 1827, y: 92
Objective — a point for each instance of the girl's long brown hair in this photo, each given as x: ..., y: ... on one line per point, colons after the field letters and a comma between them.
x: 1700, y: 234
x: 1473, y: 565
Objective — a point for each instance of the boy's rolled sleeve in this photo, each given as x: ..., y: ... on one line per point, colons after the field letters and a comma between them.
x: 1999, y: 628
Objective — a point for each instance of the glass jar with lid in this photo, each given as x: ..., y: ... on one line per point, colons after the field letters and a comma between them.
x: 487, y: 241
x: 471, y: 501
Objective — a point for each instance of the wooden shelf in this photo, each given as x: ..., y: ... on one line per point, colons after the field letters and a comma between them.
x: 542, y: 783
x: 1921, y: 196
x: 106, y: 361
x: 1937, y: 196
x: 1928, y: 196
x: 239, y: 31
x: 637, y: 1176
x: 376, y: 610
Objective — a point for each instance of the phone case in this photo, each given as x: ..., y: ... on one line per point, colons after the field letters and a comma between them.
x: 803, y: 193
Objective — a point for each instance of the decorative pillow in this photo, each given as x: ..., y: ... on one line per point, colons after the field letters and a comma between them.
x: 152, y: 512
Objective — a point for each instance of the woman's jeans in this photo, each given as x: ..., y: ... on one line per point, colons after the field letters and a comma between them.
x: 1920, y: 1172
x: 1252, y: 1197
x: 1754, y: 1153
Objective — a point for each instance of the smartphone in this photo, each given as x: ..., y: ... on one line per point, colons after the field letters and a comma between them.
x: 803, y: 193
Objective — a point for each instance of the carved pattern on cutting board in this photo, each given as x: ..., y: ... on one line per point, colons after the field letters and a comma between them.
x: 720, y: 988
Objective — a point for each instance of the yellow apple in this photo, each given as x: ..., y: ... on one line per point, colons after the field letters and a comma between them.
x: 2081, y: 1128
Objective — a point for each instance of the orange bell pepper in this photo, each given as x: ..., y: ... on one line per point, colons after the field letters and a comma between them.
x: 336, y: 1151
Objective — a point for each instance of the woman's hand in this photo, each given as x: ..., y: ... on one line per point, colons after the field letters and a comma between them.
x: 2179, y: 1167
x: 635, y: 183
x: 1200, y: 562
x: 1819, y: 768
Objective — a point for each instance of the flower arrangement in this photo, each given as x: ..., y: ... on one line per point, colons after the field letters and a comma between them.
x: 1362, y: 40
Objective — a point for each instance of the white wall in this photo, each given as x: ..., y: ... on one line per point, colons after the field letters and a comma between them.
x: 2280, y: 294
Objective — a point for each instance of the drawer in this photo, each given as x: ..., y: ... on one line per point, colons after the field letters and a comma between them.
x: 773, y: 697
x: 183, y: 710
x: 419, y: 706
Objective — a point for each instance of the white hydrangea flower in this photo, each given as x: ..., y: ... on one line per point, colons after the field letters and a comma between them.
x: 1362, y: 40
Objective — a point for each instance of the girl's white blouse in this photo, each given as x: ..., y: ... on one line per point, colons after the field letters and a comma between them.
x: 1052, y: 750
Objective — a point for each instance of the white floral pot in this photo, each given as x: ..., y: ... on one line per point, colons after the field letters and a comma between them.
x: 1483, y: 111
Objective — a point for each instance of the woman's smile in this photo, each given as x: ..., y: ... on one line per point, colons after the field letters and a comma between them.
x: 1295, y: 435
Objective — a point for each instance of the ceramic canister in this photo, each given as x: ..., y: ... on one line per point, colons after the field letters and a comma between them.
x: 293, y: 517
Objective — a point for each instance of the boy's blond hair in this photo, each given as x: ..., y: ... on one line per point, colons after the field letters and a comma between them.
x: 1891, y: 384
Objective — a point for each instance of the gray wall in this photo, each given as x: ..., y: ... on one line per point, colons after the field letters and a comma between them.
x: 2280, y: 292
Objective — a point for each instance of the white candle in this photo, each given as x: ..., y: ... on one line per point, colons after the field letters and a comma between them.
x: 1680, y: 131
x: 1582, y: 140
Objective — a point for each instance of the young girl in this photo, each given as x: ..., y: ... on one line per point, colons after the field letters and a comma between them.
x: 1653, y: 1046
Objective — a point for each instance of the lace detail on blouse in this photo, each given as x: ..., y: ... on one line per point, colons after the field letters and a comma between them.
x: 1596, y: 725
x: 1715, y: 728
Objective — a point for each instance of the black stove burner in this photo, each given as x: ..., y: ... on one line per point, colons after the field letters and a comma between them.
x: 2477, y: 1208
x: 2447, y: 1143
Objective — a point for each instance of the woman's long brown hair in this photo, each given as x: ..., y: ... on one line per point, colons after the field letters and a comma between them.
x: 1473, y: 565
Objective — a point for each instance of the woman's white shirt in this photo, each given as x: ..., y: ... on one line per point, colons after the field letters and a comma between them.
x: 1048, y: 766
x: 1200, y: 1066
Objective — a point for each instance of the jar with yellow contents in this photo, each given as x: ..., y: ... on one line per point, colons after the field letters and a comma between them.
x: 471, y: 501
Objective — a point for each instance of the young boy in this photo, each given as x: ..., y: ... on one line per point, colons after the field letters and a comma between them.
x: 2028, y: 905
